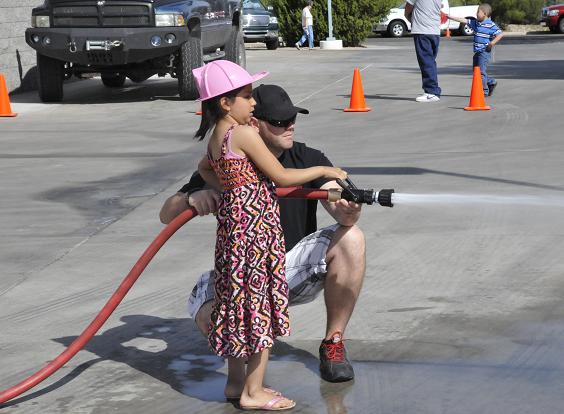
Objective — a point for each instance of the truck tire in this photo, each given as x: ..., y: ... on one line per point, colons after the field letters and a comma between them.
x: 397, y: 28
x: 561, y: 25
x: 235, y: 48
x: 465, y: 30
x: 190, y: 57
x: 113, y: 80
x: 50, y: 76
x: 272, y: 44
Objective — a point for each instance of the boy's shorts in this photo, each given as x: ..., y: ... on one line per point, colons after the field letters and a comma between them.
x: 306, y: 269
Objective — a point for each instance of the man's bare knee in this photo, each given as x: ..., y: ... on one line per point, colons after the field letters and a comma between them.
x: 348, y: 241
x: 203, y: 317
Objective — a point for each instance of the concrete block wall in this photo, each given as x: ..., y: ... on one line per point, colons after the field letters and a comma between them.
x: 17, y: 59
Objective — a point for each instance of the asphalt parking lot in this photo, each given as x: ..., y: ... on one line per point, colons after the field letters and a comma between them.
x: 461, y: 310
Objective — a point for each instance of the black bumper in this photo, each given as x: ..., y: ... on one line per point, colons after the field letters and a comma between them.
x: 260, y: 33
x: 70, y: 44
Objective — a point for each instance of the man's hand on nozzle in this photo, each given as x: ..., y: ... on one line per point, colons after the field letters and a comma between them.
x: 489, y: 47
x: 204, y: 201
x: 348, y: 208
x: 346, y: 213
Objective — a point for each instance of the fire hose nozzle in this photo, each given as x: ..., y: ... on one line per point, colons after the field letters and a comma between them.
x: 351, y: 192
x: 384, y: 197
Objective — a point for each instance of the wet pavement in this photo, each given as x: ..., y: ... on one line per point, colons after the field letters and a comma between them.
x: 461, y: 310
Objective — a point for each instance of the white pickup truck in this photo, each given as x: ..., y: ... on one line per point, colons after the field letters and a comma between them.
x: 396, y: 25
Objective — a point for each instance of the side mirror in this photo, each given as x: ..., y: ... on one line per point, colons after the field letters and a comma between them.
x: 269, y: 8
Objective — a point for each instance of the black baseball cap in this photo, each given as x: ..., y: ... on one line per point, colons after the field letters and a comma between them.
x: 273, y: 103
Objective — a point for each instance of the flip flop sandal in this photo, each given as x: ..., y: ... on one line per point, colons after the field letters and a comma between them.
x: 269, y: 406
x: 235, y: 400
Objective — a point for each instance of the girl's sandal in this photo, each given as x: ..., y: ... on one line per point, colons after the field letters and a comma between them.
x: 269, y: 406
x: 234, y: 400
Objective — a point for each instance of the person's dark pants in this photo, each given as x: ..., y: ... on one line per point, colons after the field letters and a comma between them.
x: 482, y: 59
x: 427, y: 49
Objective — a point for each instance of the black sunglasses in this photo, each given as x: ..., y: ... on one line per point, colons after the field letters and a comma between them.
x: 282, y: 124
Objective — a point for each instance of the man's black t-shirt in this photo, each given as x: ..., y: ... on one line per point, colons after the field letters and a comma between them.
x: 298, y: 217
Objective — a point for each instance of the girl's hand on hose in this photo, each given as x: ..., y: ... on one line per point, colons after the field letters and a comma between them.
x: 204, y: 201
x: 335, y: 172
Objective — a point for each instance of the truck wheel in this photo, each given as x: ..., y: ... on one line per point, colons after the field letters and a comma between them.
x: 465, y: 30
x: 113, y: 80
x: 50, y: 75
x: 272, y: 44
x: 235, y: 48
x: 397, y: 29
x: 190, y: 58
x: 561, y: 25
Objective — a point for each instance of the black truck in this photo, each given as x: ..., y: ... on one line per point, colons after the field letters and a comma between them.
x: 132, y: 38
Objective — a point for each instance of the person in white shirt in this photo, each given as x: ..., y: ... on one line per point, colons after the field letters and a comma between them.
x: 425, y: 18
x: 307, y: 25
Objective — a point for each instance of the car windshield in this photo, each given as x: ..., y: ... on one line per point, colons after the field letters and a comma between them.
x: 253, y: 4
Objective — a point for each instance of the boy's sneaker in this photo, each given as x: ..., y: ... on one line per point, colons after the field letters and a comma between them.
x: 334, y: 365
x: 427, y: 97
x: 298, y: 46
x: 491, y: 88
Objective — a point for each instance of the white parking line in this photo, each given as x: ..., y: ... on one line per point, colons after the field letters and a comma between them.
x: 26, y: 108
x: 331, y: 84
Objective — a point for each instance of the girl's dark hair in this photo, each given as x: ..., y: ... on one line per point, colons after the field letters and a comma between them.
x: 212, y: 112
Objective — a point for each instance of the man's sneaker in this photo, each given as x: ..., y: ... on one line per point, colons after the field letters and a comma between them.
x: 334, y: 365
x: 491, y: 88
x: 427, y: 97
x: 298, y: 46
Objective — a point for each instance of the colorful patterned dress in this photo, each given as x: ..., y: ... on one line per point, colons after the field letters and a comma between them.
x: 251, y: 293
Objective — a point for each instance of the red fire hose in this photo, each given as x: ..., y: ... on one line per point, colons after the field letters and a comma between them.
x: 127, y: 283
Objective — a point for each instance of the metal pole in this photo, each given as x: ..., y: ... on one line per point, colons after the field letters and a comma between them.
x: 330, y: 20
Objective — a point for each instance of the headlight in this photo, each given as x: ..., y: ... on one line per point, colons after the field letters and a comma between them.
x: 169, y: 20
x: 553, y: 12
x: 273, y: 20
x: 40, y: 21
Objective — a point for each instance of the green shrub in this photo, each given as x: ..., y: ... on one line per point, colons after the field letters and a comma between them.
x: 511, y: 11
x: 352, y: 19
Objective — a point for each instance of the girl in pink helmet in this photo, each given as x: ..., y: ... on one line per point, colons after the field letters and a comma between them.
x: 251, y: 294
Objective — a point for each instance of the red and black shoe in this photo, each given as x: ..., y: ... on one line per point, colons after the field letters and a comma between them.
x: 334, y: 365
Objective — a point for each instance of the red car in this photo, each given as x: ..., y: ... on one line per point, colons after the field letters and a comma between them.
x: 553, y: 17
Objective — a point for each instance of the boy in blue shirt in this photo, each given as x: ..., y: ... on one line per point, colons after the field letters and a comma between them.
x: 486, y: 35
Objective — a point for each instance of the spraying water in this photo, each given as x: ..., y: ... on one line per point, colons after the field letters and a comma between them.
x: 389, y: 198
x: 524, y: 200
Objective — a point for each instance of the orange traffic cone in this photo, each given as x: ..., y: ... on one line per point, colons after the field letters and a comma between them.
x: 448, y: 33
x: 5, y: 108
x: 477, y: 98
x: 357, y: 102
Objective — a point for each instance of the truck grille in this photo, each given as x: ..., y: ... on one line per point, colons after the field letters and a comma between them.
x: 104, y: 15
x: 253, y: 20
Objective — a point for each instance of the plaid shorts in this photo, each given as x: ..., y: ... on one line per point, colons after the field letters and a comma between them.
x: 306, y: 269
